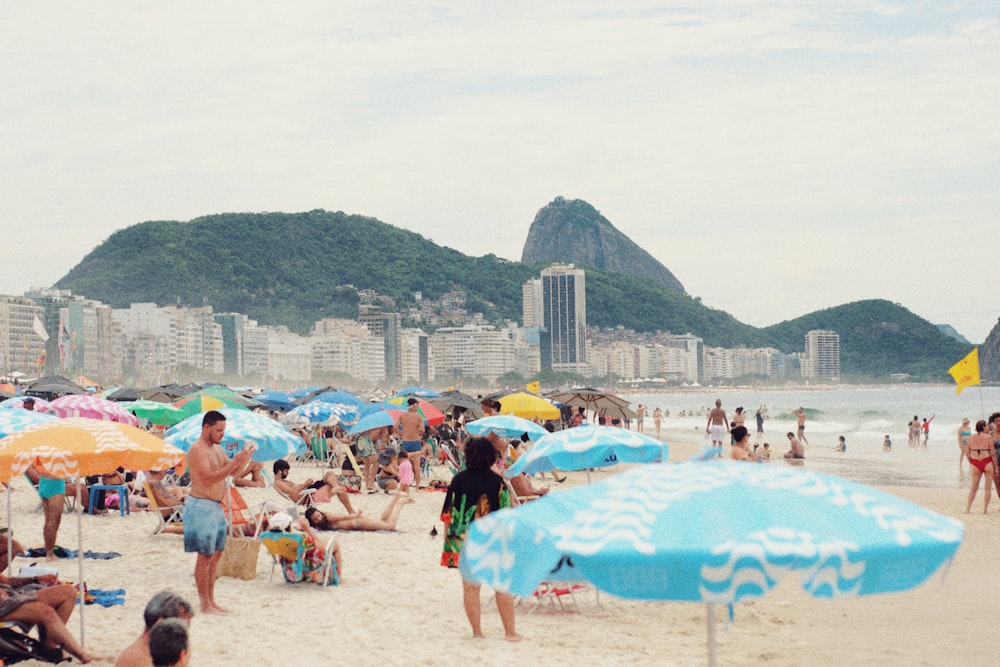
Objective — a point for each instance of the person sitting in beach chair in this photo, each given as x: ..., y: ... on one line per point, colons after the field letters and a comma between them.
x: 321, y: 520
x: 308, y: 558
x: 167, y: 501
x: 310, y: 491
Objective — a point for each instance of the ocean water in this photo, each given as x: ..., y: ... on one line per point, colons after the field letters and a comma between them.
x: 863, y: 415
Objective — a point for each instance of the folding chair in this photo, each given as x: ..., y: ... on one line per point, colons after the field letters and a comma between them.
x: 298, y: 560
x: 167, y: 516
x: 515, y: 499
x: 306, y: 494
x: 238, y: 513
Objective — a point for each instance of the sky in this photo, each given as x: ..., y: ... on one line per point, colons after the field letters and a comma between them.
x: 779, y: 157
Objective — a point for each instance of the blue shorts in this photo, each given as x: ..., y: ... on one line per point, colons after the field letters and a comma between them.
x: 51, y: 487
x: 205, y: 526
x: 410, y: 446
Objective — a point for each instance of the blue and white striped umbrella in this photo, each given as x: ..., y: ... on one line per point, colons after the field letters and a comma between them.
x: 506, y: 426
x: 273, y: 440
x: 12, y: 421
x: 321, y: 412
x: 585, y: 447
x: 716, y: 532
x: 719, y: 532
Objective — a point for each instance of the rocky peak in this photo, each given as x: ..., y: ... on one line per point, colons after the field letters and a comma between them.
x: 574, y: 231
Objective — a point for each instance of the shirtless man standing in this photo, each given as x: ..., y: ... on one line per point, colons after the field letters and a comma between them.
x: 204, y: 521
x: 411, y: 424
x: 717, y: 425
x: 800, y: 415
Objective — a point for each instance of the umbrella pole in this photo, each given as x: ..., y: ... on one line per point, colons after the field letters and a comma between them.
x: 79, y: 555
x: 711, y: 635
x: 10, y: 539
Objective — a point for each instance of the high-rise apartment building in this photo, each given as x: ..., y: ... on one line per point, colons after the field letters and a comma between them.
x: 563, y: 341
x: 532, y: 312
x: 822, y: 357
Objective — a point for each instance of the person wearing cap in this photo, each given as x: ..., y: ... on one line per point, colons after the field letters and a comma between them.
x: 388, y: 472
x: 964, y: 433
x: 411, y: 425
x: 28, y: 404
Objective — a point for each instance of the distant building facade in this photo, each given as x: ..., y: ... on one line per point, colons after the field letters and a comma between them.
x: 563, y: 343
x: 822, y: 356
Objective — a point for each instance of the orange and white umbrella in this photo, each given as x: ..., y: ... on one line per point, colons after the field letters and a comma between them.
x: 77, y: 446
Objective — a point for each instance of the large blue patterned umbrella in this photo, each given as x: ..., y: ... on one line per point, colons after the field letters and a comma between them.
x: 716, y: 532
x: 273, y: 440
x: 585, y: 447
x: 419, y: 392
x: 339, y: 396
x: 276, y: 400
x: 506, y: 426
x: 12, y: 421
x: 321, y: 412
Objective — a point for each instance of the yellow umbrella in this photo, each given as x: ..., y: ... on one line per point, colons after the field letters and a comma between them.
x: 78, y: 447
x: 527, y: 406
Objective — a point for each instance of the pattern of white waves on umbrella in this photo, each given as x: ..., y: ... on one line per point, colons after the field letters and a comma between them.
x: 753, y: 567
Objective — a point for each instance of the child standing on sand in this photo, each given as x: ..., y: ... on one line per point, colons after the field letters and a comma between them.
x: 405, y: 472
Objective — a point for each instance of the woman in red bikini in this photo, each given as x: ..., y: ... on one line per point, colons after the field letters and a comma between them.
x: 983, y: 461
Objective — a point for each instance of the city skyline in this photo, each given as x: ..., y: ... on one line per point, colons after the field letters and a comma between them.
x: 779, y: 158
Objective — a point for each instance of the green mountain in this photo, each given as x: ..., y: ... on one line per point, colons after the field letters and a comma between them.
x: 574, y: 231
x: 296, y: 268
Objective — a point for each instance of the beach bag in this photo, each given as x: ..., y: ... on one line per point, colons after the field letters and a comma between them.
x: 239, y: 559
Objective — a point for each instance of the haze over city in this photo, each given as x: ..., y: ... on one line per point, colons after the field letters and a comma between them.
x: 777, y: 157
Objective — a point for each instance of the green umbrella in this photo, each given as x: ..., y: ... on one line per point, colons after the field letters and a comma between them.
x: 161, y: 414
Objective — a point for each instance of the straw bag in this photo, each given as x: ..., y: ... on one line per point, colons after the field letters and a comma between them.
x: 239, y: 559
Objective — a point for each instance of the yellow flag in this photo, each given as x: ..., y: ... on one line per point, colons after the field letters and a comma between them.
x: 533, y: 387
x: 966, y: 372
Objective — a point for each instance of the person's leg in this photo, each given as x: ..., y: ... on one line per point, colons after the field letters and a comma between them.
x: 473, y: 607
x: 202, y: 582
x: 213, y: 565
x: 338, y: 489
x: 52, y: 509
x: 988, y: 476
x: 17, y: 548
x: 61, y: 598
x: 974, y: 486
x: 505, y: 605
x: 56, y: 634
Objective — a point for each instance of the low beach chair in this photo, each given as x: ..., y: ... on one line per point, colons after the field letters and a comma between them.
x: 239, y: 514
x: 290, y: 551
x: 168, y: 516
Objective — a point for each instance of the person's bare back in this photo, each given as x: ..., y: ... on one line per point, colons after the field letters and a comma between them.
x: 412, y: 426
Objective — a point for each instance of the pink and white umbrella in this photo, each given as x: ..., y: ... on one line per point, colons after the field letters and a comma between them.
x: 92, y: 407
x: 41, y: 405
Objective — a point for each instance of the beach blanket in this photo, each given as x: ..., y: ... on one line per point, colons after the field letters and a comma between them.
x: 61, y: 552
x: 104, y: 598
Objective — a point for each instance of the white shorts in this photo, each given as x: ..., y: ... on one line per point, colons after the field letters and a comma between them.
x: 718, y: 432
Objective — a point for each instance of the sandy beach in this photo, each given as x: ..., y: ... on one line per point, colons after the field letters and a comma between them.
x: 397, y: 606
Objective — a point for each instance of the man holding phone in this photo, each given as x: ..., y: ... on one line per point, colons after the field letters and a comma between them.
x: 205, y: 524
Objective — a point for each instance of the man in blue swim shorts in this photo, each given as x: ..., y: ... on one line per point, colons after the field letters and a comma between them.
x: 411, y: 425
x: 204, y: 520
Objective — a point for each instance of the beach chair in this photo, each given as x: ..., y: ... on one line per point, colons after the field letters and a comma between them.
x: 306, y: 494
x: 167, y: 516
x: 239, y: 514
x: 299, y: 561
x: 69, y: 500
x: 515, y: 499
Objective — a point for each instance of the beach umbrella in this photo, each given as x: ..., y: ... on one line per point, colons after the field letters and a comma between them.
x: 231, y: 395
x: 585, y: 447
x: 41, y: 405
x: 198, y: 402
x: 450, y: 400
x: 506, y: 426
x: 276, y: 400
x: 76, y: 447
x: 12, y: 421
x: 528, y: 406
x: 321, y: 412
x: 273, y: 440
x: 92, y: 407
x: 162, y: 414
x: 376, y: 419
x: 304, y: 392
x: 715, y: 532
x: 591, y: 399
x: 431, y: 414
x: 419, y: 392
x: 340, y: 396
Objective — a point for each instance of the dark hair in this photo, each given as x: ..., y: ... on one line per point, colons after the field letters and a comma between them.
x: 480, y: 453
x: 167, y: 640
x: 28, y: 400
x: 165, y: 605
x: 981, y: 426
x: 993, y: 417
x: 739, y: 433
x: 320, y: 523
x: 279, y: 465
x: 411, y: 401
x: 212, y: 417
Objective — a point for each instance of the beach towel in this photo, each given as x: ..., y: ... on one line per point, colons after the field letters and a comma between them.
x: 104, y: 598
x: 61, y: 552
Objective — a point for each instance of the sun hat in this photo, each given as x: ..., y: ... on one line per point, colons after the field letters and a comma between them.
x: 386, y: 456
x: 279, y: 521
